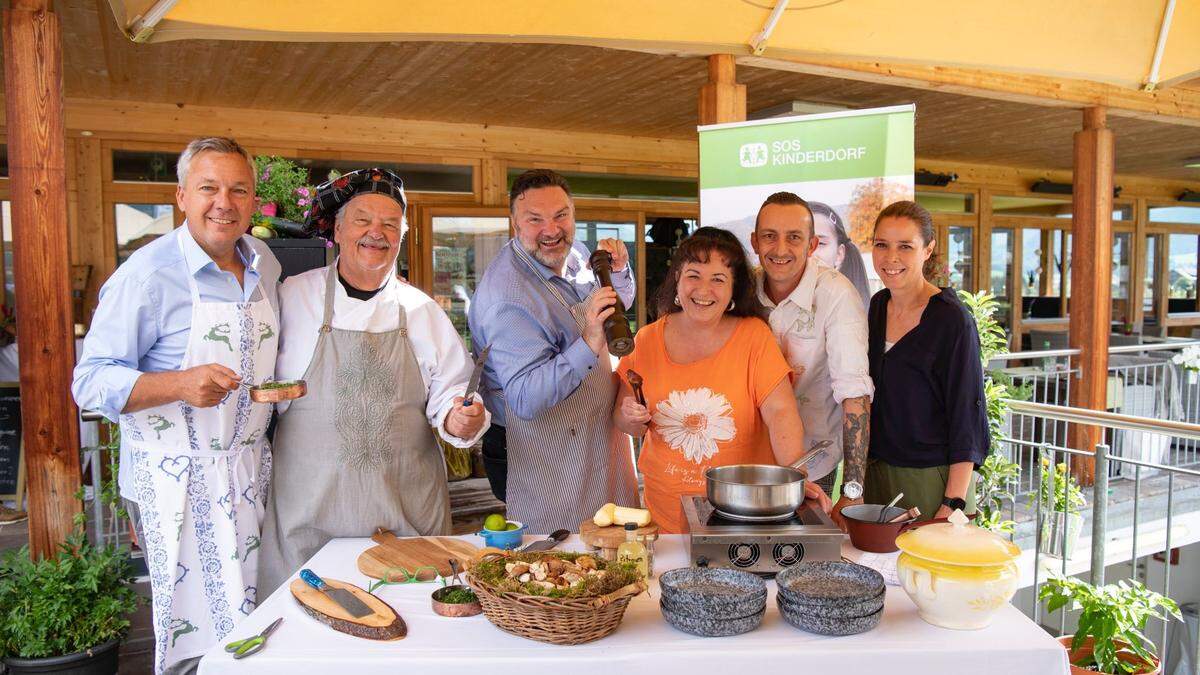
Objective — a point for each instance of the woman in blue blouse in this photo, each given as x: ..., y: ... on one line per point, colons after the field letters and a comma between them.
x: 929, y: 428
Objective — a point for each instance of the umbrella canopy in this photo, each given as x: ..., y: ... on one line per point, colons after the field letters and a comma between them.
x: 1108, y: 41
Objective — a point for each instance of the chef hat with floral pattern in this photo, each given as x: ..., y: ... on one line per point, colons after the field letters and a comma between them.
x: 333, y: 194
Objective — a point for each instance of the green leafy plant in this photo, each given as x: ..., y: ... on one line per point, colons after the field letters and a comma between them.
x: 284, y: 183
x: 1067, y: 497
x: 997, y: 472
x: 1114, y: 616
x: 108, y: 492
x: 76, y: 600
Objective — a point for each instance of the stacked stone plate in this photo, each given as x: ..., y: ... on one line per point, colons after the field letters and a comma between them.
x: 831, y: 598
x: 712, y: 602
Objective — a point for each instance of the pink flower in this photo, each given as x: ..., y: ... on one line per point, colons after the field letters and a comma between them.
x: 302, y: 191
x: 268, y: 209
x: 302, y: 202
x: 305, y: 213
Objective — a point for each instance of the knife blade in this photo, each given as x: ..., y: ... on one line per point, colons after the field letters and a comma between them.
x: 473, y: 383
x: 546, y: 544
x: 344, y: 599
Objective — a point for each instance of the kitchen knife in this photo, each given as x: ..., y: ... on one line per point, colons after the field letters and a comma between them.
x: 473, y: 383
x: 550, y: 542
x: 345, y: 599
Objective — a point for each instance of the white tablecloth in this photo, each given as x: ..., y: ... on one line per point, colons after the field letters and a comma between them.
x: 644, y: 643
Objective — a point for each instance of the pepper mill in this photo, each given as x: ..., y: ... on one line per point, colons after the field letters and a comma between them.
x: 616, y: 327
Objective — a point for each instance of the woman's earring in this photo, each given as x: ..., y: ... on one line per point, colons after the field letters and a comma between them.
x: 732, y: 304
x: 677, y: 301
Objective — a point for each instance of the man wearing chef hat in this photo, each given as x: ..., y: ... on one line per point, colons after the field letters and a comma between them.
x: 181, y: 325
x: 385, y: 368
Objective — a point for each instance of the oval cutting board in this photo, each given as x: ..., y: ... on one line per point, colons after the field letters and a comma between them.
x: 410, y: 553
x: 383, y: 624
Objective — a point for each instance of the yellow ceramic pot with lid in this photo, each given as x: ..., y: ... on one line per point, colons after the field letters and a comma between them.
x: 957, y: 574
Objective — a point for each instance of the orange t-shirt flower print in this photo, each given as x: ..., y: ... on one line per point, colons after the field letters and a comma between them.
x: 694, y: 421
x: 703, y: 414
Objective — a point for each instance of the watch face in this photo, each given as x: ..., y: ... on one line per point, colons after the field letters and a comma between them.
x: 852, y: 490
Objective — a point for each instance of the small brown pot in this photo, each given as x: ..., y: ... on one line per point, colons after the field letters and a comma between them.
x: 866, y: 533
x: 1086, y: 651
x: 276, y: 394
x: 456, y: 609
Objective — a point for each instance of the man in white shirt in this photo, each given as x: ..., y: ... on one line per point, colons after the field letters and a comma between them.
x: 819, y: 320
x: 384, y: 368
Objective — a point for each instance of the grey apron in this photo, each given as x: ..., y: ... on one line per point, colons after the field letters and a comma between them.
x: 567, y: 462
x: 356, y: 453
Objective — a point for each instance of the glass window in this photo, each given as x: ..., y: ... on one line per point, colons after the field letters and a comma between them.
x: 589, y: 232
x: 1175, y: 214
x: 446, y: 178
x: 619, y: 186
x: 1121, y: 258
x: 947, y: 202
x: 1181, y: 279
x: 1001, y: 271
x: 961, y: 258
x: 140, y: 224
x: 144, y: 167
x: 1148, y: 279
x: 662, y: 238
x: 1031, y: 262
x: 1060, y: 262
x: 462, y: 249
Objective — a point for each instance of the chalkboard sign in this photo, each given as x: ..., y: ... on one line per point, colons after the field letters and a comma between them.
x: 10, y: 440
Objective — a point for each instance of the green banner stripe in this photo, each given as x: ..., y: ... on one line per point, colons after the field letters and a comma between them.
x: 807, y: 150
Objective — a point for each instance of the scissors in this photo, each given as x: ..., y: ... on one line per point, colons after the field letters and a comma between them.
x: 244, y: 648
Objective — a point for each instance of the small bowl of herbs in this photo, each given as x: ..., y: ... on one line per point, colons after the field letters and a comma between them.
x: 456, y: 600
x: 276, y: 391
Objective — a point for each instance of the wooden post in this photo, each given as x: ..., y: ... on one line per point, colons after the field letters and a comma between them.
x: 722, y: 99
x: 41, y: 265
x: 1091, y: 278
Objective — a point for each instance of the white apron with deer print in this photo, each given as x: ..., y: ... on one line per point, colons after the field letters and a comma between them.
x: 201, y: 477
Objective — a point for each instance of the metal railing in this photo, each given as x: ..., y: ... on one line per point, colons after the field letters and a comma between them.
x: 1119, y: 503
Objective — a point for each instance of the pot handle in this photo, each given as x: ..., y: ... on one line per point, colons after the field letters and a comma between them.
x: 923, y: 523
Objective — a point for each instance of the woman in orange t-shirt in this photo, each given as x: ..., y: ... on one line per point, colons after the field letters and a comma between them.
x: 717, y: 387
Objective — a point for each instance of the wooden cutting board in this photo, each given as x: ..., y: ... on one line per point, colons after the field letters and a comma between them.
x: 383, y: 624
x: 413, y: 552
x: 607, y: 539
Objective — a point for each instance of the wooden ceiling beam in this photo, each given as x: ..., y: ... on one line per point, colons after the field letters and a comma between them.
x: 1172, y: 105
x: 130, y: 118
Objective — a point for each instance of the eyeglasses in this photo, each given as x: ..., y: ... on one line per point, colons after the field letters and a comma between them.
x: 394, y: 576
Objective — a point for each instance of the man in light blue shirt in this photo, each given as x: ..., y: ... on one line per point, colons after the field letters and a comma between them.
x: 181, y: 327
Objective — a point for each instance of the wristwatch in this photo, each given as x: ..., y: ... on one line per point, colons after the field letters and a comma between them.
x: 955, y: 503
x: 852, y: 489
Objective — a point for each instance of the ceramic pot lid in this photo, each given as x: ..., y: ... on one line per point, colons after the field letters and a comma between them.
x: 957, y: 542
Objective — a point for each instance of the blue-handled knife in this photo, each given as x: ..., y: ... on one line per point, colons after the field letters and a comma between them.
x: 344, y: 599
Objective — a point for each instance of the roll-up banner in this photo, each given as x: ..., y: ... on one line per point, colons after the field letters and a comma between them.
x: 847, y: 165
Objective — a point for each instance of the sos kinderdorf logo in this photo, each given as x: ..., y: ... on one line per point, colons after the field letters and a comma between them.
x: 752, y: 155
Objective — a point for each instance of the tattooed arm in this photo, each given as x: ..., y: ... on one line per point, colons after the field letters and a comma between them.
x: 856, y: 439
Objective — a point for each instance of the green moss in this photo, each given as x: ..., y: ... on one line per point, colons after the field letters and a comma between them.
x: 619, y: 575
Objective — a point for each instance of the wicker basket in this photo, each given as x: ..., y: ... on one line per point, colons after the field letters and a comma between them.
x: 559, y: 621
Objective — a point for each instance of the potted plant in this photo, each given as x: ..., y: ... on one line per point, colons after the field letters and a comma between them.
x: 1109, y: 638
x: 1189, y: 359
x: 1062, y: 523
x: 65, y: 613
x: 998, y: 472
x: 282, y: 187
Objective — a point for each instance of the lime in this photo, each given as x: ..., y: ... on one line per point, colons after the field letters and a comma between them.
x: 495, y: 522
x: 512, y: 526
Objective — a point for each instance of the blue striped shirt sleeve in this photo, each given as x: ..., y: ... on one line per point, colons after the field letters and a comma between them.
x: 533, y: 372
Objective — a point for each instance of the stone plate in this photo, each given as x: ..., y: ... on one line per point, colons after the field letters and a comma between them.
x: 750, y: 610
x: 712, y: 627
x: 713, y: 593
x: 824, y: 625
x: 829, y: 583
x: 858, y: 608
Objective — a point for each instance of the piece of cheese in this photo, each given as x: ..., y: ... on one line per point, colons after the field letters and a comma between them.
x: 604, y: 517
x: 623, y: 514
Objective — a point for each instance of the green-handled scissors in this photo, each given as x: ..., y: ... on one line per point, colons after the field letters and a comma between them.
x: 244, y: 648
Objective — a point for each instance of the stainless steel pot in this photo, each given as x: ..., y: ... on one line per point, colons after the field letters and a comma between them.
x: 755, y: 491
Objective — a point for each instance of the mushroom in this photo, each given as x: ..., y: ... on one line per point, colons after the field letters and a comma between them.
x: 586, y: 562
x: 516, y: 569
x: 525, y: 578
